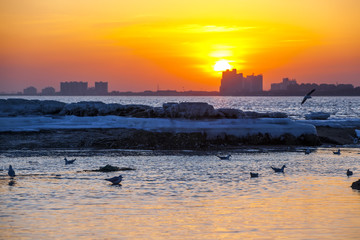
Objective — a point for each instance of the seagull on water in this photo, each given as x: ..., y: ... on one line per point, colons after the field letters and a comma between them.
x: 254, y: 175
x: 224, y: 157
x: 338, y: 152
x: 349, y: 173
x: 11, y: 171
x: 307, y: 96
x: 278, y: 169
x: 69, y: 161
x: 115, y: 180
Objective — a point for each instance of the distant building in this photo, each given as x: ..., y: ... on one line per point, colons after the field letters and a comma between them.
x: 233, y: 83
x: 101, y: 88
x: 30, y: 91
x: 73, y: 88
x: 286, y: 83
x: 48, y: 91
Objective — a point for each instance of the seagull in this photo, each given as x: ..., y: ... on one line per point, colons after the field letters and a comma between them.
x: 224, y: 157
x: 338, y: 152
x: 279, y: 169
x: 11, y: 171
x: 115, y: 180
x: 69, y: 161
x: 307, y: 96
x: 253, y: 175
x: 349, y: 173
x: 307, y: 151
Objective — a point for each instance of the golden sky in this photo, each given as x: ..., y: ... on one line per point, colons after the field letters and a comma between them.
x: 142, y: 45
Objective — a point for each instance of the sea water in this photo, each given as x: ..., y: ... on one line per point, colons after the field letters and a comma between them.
x: 337, y: 107
x: 180, y: 195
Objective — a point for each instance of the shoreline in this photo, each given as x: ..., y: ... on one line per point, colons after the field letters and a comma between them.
x: 141, y: 140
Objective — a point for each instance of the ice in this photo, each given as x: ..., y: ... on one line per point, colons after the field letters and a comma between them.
x: 275, y: 127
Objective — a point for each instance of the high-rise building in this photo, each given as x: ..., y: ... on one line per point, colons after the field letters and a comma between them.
x: 284, y: 85
x: 48, y: 91
x: 73, y: 88
x: 233, y: 83
x: 101, y: 88
x: 30, y: 91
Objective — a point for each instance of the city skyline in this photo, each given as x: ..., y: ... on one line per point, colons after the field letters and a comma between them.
x: 233, y: 83
x: 180, y: 45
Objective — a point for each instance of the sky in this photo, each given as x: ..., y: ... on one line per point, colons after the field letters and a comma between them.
x: 143, y: 45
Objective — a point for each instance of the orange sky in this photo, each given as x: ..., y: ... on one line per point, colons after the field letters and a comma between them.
x: 139, y: 45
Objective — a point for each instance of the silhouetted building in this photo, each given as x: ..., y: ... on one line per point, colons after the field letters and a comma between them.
x: 48, y: 91
x: 30, y: 91
x: 73, y: 88
x: 292, y: 88
x: 286, y: 83
x: 233, y: 83
x: 101, y: 88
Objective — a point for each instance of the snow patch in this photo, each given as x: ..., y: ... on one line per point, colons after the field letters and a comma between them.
x: 213, y: 128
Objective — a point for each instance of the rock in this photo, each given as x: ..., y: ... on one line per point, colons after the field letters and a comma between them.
x: 317, y: 116
x: 356, y: 185
x: 15, y: 107
x: 231, y: 113
x: 109, y: 168
x: 357, y: 133
x: 83, y: 108
x: 189, y: 110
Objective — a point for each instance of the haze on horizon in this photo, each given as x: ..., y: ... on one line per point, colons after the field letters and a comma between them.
x: 139, y: 45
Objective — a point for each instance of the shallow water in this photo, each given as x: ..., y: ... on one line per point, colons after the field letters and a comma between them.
x: 337, y: 107
x: 181, y: 196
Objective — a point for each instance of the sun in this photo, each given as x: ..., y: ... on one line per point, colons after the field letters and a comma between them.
x: 222, y: 65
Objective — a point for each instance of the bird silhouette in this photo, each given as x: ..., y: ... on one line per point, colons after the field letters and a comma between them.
x: 254, y: 175
x: 338, y: 152
x: 11, y: 171
x: 115, y: 180
x: 307, y: 96
x: 278, y: 170
x: 349, y: 173
x: 307, y: 151
x: 69, y: 161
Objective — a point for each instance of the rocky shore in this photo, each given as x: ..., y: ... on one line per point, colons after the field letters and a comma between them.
x: 34, y: 124
x: 141, y: 139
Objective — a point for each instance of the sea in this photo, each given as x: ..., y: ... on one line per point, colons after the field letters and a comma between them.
x: 187, y: 194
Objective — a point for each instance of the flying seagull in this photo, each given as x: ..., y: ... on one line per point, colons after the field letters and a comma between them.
x: 307, y: 96
x: 11, y: 171
x: 224, y: 157
x: 115, y: 180
x: 279, y: 169
x: 69, y: 161
x: 349, y: 173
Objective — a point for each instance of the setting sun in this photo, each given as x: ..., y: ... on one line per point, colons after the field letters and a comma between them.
x: 222, y: 65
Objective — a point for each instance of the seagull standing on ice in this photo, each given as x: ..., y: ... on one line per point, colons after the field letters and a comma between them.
x: 11, y: 171
x: 307, y: 96
x: 69, y: 161
x: 115, y: 180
